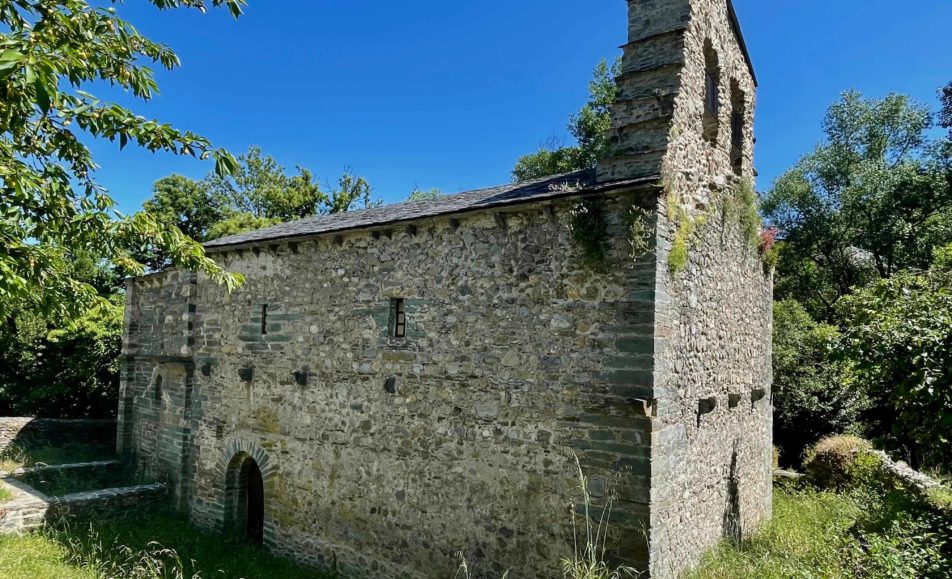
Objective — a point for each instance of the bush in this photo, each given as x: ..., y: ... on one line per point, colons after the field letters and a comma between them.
x: 842, y: 462
x: 899, y: 343
x: 72, y: 372
x: 813, y: 394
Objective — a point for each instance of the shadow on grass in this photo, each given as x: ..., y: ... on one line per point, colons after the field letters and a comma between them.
x: 166, y: 546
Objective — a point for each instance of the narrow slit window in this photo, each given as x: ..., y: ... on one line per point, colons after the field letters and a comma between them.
x: 157, y: 390
x: 264, y: 319
x: 712, y: 94
x: 398, y: 315
x: 738, y: 126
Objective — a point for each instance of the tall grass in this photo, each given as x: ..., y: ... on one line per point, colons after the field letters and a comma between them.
x: 807, y: 538
x: 590, y: 540
x: 589, y: 560
x: 160, y: 547
x: 113, y: 560
x: 16, y: 456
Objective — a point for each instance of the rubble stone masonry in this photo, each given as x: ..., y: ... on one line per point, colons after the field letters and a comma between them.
x: 385, y: 456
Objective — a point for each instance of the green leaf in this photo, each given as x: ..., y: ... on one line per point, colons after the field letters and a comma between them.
x: 43, y: 99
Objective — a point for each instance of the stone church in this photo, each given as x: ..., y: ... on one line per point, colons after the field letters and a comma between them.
x: 396, y: 385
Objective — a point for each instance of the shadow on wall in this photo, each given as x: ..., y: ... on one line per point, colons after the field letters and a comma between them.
x: 732, y: 526
x: 30, y: 433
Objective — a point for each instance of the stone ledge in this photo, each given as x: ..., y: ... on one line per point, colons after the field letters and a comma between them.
x: 53, y: 468
x: 915, y: 480
x: 31, y: 509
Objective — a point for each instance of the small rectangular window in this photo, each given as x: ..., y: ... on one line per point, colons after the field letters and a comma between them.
x: 264, y: 319
x: 398, y: 318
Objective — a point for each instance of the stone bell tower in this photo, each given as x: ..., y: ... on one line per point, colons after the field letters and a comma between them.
x: 684, y: 114
x: 685, y: 94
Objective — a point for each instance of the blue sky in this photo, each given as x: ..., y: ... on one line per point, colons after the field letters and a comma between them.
x: 449, y: 94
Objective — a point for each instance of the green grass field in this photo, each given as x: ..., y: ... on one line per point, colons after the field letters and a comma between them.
x: 819, y: 535
x: 165, y: 547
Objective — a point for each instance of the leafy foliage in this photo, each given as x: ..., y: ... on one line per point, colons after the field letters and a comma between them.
x: 589, y: 126
x: 260, y: 188
x: 590, y: 230
x: 945, y: 115
x: 870, y: 201
x: 814, y: 396
x: 899, y: 338
x: 51, y: 53
x: 257, y: 194
x: 420, y: 194
x: 840, y: 462
x: 70, y: 372
x: 741, y: 207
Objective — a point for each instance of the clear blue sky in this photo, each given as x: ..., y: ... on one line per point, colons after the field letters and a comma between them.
x: 443, y: 94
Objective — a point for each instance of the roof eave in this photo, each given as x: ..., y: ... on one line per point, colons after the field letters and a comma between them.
x: 640, y: 183
x: 735, y: 24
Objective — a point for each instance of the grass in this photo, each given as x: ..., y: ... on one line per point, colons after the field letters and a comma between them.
x: 64, y: 482
x: 164, y: 546
x: 805, y: 538
x: 859, y: 533
x: 38, y: 557
x: 5, y: 494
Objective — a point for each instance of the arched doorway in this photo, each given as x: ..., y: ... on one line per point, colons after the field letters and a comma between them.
x: 244, y: 500
x: 254, y: 505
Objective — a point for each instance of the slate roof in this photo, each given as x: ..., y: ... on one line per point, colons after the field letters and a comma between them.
x: 526, y: 192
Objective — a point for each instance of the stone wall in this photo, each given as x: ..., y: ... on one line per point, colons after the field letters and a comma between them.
x: 384, y: 454
x: 55, y: 432
x: 711, y: 466
x: 30, y: 509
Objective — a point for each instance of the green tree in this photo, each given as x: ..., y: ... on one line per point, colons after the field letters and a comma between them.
x: 240, y: 222
x: 182, y: 203
x: 870, y: 201
x: 257, y: 194
x: 186, y: 204
x: 814, y: 396
x: 422, y: 195
x: 64, y: 369
x: 945, y: 115
x: 260, y: 187
x: 899, y: 340
x: 52, y: 52
x: 589, y: 126
x: 352, y: 192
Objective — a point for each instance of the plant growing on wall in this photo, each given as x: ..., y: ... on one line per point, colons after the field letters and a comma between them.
x: 640, y: 231
x: 738, y: 206
x: 590, y: 231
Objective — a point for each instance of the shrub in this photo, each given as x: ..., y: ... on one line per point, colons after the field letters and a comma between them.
x: 909, y: 546
x: 813, y: 394
x: 842, y: 462
x: 71, y: 372
x: 899, y: 343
